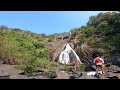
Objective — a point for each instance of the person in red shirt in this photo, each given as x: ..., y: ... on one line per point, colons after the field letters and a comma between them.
x: 99, y: 62
x: 74, y: 64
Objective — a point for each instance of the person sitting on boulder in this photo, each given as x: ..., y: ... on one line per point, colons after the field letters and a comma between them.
x: 99, y: 62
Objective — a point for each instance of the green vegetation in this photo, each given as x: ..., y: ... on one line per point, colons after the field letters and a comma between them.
x: 27, y: 48
x: 106, y: 29
x: 81, y: 67
x: 101, y: 32
x: 67, y: 67
x: 51, y: 37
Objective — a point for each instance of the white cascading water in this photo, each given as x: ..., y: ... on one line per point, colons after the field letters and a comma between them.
x: 64, y: 57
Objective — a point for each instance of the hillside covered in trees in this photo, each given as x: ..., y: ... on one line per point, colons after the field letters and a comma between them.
x: 101, y: 30
x: 26, y: 48
x: 101, y: 34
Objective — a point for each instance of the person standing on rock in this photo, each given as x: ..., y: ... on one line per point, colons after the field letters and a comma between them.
x: 99, y: 62
x: 74, y: 64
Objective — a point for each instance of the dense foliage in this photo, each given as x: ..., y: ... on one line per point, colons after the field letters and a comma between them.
x: 27, y: 48
x: 102, y: 32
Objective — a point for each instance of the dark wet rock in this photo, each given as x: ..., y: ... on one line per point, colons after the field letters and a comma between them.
x: 52, y: 75
x: 83, y: 75
x: 88, y: 68
x: 114, y: 58
x: 40, y: 70
x: 71, y: 77
x: 116, y: 72
x: 93, y: 67
x: 113, y: 77
x: 75, y: 76
x: 23, y: 73
x: 97, y: 76
x: 78, y: 73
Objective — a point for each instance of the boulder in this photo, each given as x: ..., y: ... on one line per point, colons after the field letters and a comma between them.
x: 40, y: 70
x: 109, y: 75
x: 77, y: 72
x: 112, y: 68
x: 93, y: 67
x: 114, y: 58
x: 89, y: 68
x: 113, y: 77
x: 83, y: 75
x: 76, y: 75
x: 52, y: 75
x: 4, y: 75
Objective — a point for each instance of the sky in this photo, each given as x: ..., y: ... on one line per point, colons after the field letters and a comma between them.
x: 47, y: 22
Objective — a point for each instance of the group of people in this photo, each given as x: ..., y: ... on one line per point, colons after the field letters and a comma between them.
x: 98, y: 61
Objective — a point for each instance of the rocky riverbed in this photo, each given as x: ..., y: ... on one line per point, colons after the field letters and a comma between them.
x: 10, y: 72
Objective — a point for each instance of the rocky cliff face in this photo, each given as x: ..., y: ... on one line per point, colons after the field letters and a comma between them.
x: 83, y: 50
x: 56, y: 48
x: 114, y: 58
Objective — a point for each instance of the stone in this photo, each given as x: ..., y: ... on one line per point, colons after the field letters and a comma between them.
x: 93, y: 67
x: 112, y: 68
x: 52, y: 75
x: 4, y: 75
x: 40, y: 70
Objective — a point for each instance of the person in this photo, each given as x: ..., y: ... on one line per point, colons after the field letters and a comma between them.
x: 74, y: 64
x: 99, y: 62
